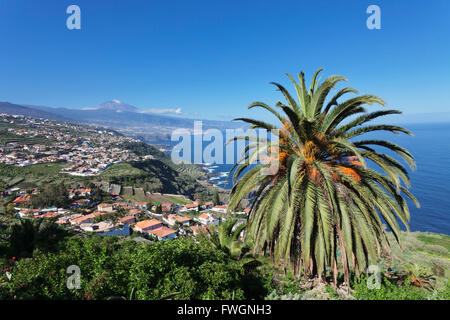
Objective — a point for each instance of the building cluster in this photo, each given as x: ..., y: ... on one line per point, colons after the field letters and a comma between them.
x: 88, y: 151
x: 119, y: 217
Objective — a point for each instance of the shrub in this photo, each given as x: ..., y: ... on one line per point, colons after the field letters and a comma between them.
x: 122, y: 268
x: 388, y: 291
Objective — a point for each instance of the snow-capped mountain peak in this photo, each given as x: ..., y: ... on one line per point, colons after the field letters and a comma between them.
x: 114, y: 105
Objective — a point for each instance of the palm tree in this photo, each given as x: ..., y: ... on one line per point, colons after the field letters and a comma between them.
x: 323, y: 201
x: 30, y: 234
x: 227, y: 238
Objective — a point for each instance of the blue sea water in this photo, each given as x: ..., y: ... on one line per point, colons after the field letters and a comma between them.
x: 430, y: 182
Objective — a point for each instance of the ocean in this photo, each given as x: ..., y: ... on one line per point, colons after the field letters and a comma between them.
x: 430, y: 182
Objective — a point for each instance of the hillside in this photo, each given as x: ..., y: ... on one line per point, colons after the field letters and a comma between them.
x: 39, y: 152
x: 130, y: 120
x: 10, y: 108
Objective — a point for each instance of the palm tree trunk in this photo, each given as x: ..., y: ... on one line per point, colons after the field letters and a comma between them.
x: 335, y: 271
x: 344, y: 256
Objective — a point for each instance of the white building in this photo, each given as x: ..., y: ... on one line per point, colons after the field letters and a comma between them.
x: 208, y: 219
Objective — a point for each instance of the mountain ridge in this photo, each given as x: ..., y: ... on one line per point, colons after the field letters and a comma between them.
x: 119, y: 116
x: 114, y: 105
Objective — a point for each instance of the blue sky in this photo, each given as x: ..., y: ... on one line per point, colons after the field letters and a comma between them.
x: 213, y: 58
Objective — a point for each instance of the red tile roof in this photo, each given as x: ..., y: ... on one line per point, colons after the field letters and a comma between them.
x: 50, y: 215
x: 147, y: 223
x: 162, y: 232
x: 24, y: 198
x: 178, y: 218
x: 83, y: 218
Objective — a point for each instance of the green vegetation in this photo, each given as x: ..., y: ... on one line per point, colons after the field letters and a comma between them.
x: 388, y: 291
x: 227, y: 238
x: 121, y: 169
x: 8, y: 137
x: 319, y: 213
x: 141, y: 271
x: 159, y: 174
x: 216, y: 267
x: 153, y: 176
x: 435, y: 239
x: 35, y: 175
x: 150, y: 175
x: 216, y: 199
x: 51, y: 195
x: 143, y: 149
x: 177, y: 200
x: 314, y: 228
x: 27, y: 235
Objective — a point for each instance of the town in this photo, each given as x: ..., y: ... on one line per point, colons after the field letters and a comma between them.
x: 145, y: 220
x: 28, y: 141
x: 93, y: 207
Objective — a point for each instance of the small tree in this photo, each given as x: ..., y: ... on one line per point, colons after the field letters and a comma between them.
x: 10, y: 209
x: 216, y: 198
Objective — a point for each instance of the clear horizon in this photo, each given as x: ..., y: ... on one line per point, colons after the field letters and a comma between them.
x: 212, y: 60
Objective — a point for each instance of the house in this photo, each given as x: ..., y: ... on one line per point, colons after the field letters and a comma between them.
x: 127, y: 220
x: 173, y: 218
x: 166, y: 207
x: 66, y: 219
x: 208, y: 219
x: 80, y: 192
x: 208, y: 205
x: 63, y: 211
x: 220, y: 209
x: 103, y: 226
x: 121, y: 205
x: 50, y: 209
x: 49, y: 215
x: 84, y: 192
x: 141, y: 205
x: 106, y: 207
x: 147, y: 225
x: 196, y: 230
x: 190, y: 206
x: 163, y: 233
x: 89, y: 218
x: 22, y: 199
x: 134, y: 212
x: 26, y: 212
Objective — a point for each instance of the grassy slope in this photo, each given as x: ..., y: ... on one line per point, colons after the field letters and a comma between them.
x: 39, y: 174
x: 152, y: 175
x: 428, y: 250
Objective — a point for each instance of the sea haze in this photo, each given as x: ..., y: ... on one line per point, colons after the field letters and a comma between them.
x: 430, y: 182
